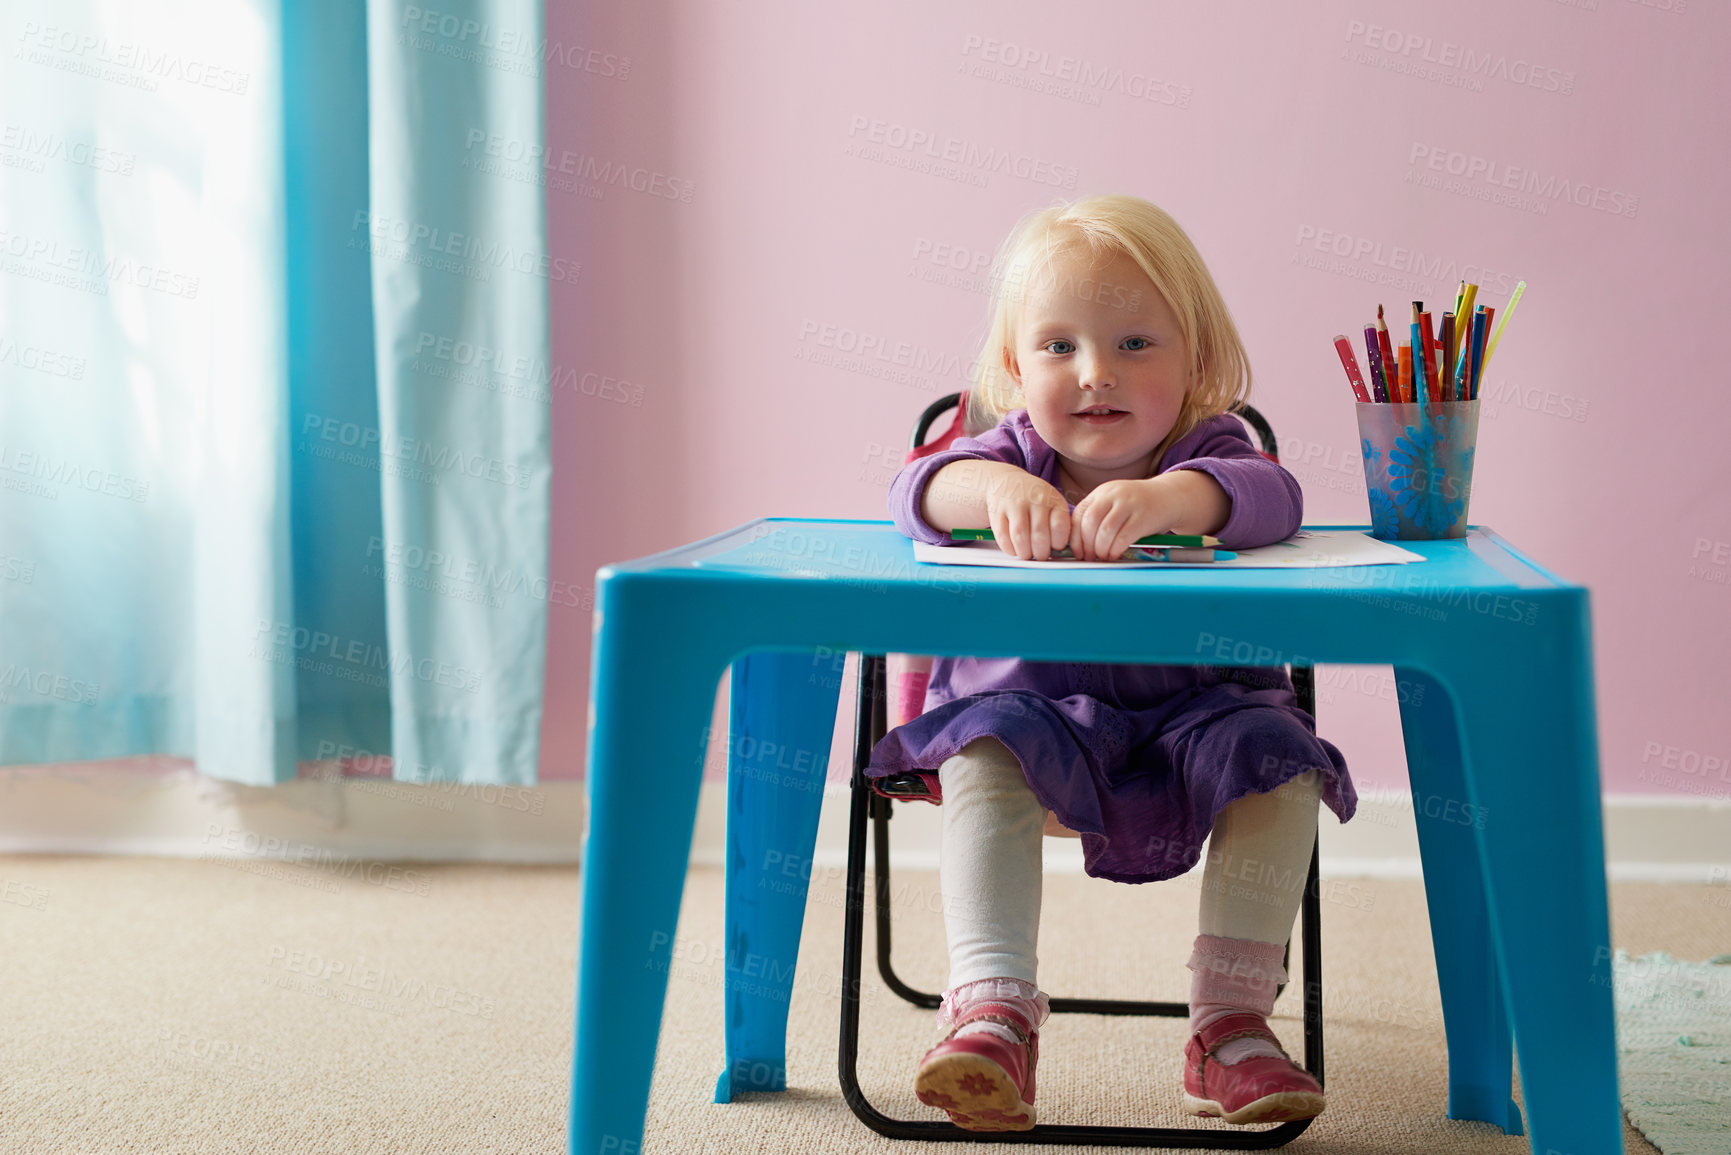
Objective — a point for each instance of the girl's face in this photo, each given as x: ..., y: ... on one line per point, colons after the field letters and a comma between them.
x: 1102, y: 366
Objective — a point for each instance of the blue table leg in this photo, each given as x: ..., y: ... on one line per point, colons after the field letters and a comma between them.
x: 1480, y: 1041
x: 1532, y: 763
x: 652, y: 687
x: 783, y: 709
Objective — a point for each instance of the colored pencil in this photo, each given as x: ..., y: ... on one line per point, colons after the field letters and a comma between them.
x: 1404, y: 367
x: 1478, y: 352
x: 1448, y: 364
x: 1508, y: 311
x: 1490, y: 315
x: 1418, y: 371
x: 1181, y: 540
x: 1373, y: 361
x: 1350, y: 363
x: 1390, y: 367
x: 1464, y: 319
x: 1445, y: 357
x: 1430, y: 356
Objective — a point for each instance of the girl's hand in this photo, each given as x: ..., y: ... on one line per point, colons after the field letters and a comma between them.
x: 1111, y: 519
x: 1028, y: 516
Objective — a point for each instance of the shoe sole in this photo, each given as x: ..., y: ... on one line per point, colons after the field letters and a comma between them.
x: 1280, y: 1107
x: 978, y: 1094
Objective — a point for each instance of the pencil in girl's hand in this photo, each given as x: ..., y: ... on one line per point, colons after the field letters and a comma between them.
x: 1508, y: 311
x: 1373, y: 360
x: 1350, y: 363
x: 1155, y: 540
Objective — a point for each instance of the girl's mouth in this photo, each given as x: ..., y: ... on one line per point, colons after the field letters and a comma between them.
x: 1101, y: 415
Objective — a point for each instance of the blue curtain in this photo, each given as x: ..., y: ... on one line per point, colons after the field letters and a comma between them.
x: 274, y: 425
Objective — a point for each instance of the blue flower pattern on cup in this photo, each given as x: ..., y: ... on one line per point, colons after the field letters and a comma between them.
x: 1384, y: 521
x: 1416, y: 466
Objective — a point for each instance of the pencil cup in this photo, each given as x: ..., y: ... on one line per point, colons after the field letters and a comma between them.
x: 1418, y: 467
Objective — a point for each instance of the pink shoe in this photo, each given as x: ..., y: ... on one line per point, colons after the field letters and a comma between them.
x: 985, y: 1083
x: 1262, y: 1089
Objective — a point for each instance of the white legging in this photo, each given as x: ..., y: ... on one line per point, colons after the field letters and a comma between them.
x: 989, y: 863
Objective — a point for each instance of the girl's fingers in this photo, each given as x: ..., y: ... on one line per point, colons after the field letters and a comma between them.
x: 1081, y: 529
x: 1060, y: 527
x: 1039, y: 535
x: 1001, y: 532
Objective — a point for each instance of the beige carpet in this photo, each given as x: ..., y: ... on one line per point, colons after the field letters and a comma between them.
x: 153, y: 1005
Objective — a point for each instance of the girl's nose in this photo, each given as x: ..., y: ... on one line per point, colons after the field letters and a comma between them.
x: 1095, y: 372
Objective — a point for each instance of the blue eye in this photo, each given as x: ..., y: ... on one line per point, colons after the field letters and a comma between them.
x: 1049, y: 345
x: 1145, y: 342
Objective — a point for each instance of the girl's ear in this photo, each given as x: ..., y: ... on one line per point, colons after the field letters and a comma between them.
x: 1010, y: 365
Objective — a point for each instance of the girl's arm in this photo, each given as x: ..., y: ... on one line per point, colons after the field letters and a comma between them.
x: 979, y: 482
x: 1028, y: 517
x: 1264, y: 501
x: 1213, y: 482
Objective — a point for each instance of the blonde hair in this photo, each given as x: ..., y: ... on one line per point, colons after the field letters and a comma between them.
x: 1108, y: 225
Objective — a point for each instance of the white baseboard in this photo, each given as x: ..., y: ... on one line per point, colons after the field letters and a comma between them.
x: 165, y: 808
x: 162, y: 807
x: 1648, y: 837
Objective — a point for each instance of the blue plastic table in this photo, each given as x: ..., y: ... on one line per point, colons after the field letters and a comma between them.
x: 1504, y: 726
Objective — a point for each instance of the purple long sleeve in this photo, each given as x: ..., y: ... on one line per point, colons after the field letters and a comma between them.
x: 1267, y: 504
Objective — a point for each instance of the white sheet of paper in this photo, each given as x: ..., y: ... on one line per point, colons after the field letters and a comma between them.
x: 1306, y: 549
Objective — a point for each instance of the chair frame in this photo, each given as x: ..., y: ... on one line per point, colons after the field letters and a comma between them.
x: 871, y: 724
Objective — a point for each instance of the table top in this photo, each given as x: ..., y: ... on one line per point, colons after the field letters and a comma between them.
x: 830, y: 549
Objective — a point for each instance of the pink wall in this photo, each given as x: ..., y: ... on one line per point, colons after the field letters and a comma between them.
x: 1292, y: 141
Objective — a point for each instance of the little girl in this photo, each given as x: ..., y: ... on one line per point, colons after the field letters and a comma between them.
x: 1109, y: 368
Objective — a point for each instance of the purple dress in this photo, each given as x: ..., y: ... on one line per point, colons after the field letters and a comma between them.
x: 1138, y: 759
